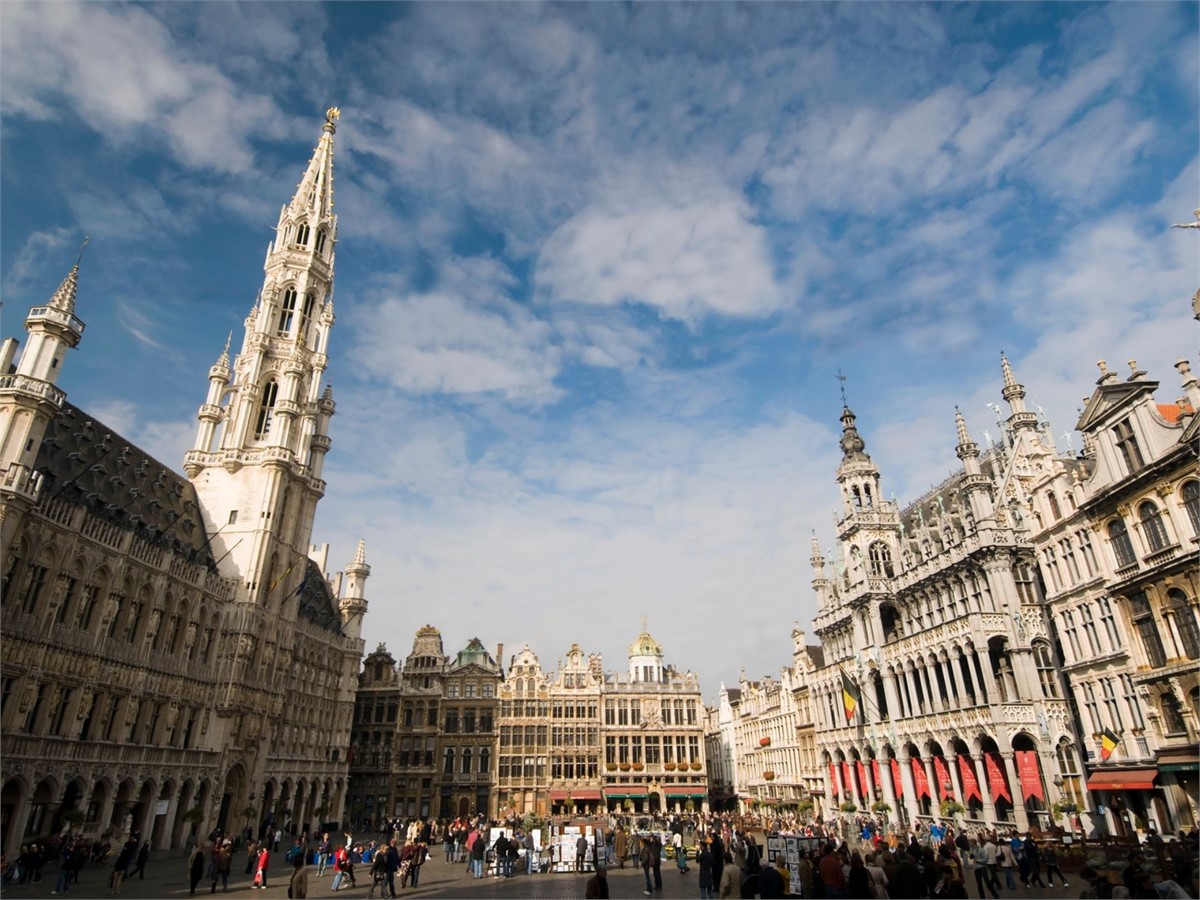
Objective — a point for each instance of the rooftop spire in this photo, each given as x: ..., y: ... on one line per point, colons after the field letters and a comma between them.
x: 64, y: 297
x: 360, y: 555
x: 315, y: 191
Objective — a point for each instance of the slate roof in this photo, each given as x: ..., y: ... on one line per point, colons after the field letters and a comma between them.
x: 317, y: 603
x: 88, y: 464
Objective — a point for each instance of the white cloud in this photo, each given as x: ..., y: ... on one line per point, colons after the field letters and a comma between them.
x: 165, y: 441
x: 682, y: 242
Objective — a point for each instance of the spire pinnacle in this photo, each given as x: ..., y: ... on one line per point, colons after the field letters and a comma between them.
x: 314, y: 194
x: 223, y: 359
x: 360, y: 555
x: 964, y: 436
x: 64, y: 297
x: 1010, y: 380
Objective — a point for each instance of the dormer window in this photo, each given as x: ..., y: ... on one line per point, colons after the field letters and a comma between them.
x: 1127, y: 446
x: 287, y: 311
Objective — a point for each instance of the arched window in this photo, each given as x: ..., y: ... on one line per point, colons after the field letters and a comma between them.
x: 448, y: 761
x: 1147, y: 628
x: 1152, y: 526
x: 1191, y: 502
x: 306, y: 316
x: 321, y: 238
x: 466, y: 761
x: 881, y: 560
x: 263, y: 424
x: 287, y: 310
x: 1118, y: 536
x: 485, y: 760
x: 1185, y: 623
x: 1054, y: 510
x: 1047, y: 674
x: 302, y: 234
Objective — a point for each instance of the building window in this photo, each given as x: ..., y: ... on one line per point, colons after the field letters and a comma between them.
x: 1118, y: 536
x: 1055, y: 513
x: 1133, y: 702
x: 1185, y: 623
x: 1152, y: 526
x: 1108, y: 620
x: 287, y: 311
x: 1172, y: 715
x: 302, y: 234
x: 1147, y: 628
x: 881, y: 560
x: 1085, y: 550
x: 465, y: 769
x: 1072, y: 636
x: 1127, y: 446
x: 1052, y: 568
x: 266, y: 408
x: 448, y: 761
x: 321, y: 238
x: 1047, y: 674
x: 1089, y: 628
x: 1026, y: 589
x: 1093, y: 708
x: 1070, y: 566
x: 1191, y: 502
x: 1110, y: 704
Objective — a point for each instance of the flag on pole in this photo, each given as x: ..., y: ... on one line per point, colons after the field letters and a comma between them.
x: 1108, y: 744
x: 850, y: 697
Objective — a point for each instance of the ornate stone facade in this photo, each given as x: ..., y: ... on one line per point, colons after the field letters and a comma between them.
x: 176, y: 658
x: 934, y: 638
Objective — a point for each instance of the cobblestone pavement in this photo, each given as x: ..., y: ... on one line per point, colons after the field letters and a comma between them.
x: 166, y: 879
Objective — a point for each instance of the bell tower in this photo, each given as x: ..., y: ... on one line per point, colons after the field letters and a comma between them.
x: 264, y: 426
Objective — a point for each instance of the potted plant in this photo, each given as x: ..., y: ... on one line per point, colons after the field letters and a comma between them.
x: 690, y: 805
x: 769, y: 775
x: 611, y: 766
x: 637, y: 766
x: 628, y: 805
x: 696, y: 767
x: 1064, y: 808
x: 804, y: 807
x: 849, y: 807
x: 669, y: 766
x: 764, y: 742
x: 624, y: 767
x: 882, y: 807
x: 951, y: 807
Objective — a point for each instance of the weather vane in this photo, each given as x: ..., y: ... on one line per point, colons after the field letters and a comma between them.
x: 842, y: 379
x: 79, y: 259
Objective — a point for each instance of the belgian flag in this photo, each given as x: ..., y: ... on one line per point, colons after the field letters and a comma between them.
x: 1108, y: 744
x: 851, y: 696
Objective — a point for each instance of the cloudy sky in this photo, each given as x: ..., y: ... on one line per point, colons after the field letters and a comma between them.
x: 599, y: 265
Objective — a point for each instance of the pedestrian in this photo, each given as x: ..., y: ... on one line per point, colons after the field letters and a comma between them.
x: 621, y: 846
x: 597, y: 885
x: 298, y: 888
x: 731, y: 878
x: 1050, y: 858
x: 680, y: 852
x: 704, y: 862
x: 195, y: 868
x: 121, y: 866
x: 378, y: 874
x: 143, y: 857
x: 323, y: 850
x: 418, y: 859
x: 478, y: 853
x: 646, y: 861
x: 260, y: 874
x: 222, y: 863
x: 656, y: 861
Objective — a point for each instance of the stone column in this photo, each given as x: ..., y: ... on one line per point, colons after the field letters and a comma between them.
x: 914, y: 697
x: 956, y: 780
x: 934, y: 785
x: 990, y: 692
x: 989, y: 807
x: 895, y: 711
x: 910, y: 787
x: 889, y: 791
x: 935, y: 700
x: 959, y: 693
x: 1010, y: 769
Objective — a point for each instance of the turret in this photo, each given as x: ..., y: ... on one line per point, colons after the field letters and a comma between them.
x: 857, y: 475
x: 1191, y: 387
x: 1014, y: 394
x: 210, y: 411
x: 645, y: 658
x: 976, y: 488
x: 353, y: 602
x: 30, y: 397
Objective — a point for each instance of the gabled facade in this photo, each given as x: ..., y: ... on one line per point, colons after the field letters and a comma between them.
x: 1117, y: 541
x: 176, y: 657
x: 468, y: 745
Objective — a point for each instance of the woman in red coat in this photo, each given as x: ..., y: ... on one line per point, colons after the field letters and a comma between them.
x: 260, y: 875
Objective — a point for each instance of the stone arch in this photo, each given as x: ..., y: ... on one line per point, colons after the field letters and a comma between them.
x: 42, y: 806
x: 12, y: 803
x: 182, y: 826
x: 233, y: 798
x: 73, y: 795
x: 1029, y: 767
x: 161, y: 825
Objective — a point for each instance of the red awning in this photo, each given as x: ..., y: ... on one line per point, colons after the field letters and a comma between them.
x: 1123, y: 780
x: 582, y: 794
x: 559, y: 795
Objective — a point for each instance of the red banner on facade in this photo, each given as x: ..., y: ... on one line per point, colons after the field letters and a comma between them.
x: 897, y: 781
x: 847, y: 780
x: 970, y: 784
x: 945, y: 787
x: 875, y: 772
x: 1030, y: 774
x: 833, y: 782
x: 862, y: 778
x: 920, y: 779
x: 997, y: 783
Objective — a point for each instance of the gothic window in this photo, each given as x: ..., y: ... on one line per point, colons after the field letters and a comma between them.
x: 881, y: 560
x: 302, y: 234
x: 287, y: 310
x: 35, y: 585
x: 1152, y: 526
x: 1147, y: 628
x: 1047, y: 674
x: 485, y: 761
x: 448, y: 762
x: 1052, y: 568
x: 1108, y: 620
x: 1055, y: 512
x: 1118, y: 536
x: 1072, y: 635
x: 1089, y: 628
x: 1070, y: 566
x: 1127, y: 446
x: 1068, y: 768
x: 466, y: 761
x: 1191, y: 502
x: 263, y: 424
x: 1110, y: 703
x: 1026, y: 588
x: 1172, y: 715
x: 1085, y: 550
x: 1185, y: 623
x: 306, y: 316
x: 1092, y: 707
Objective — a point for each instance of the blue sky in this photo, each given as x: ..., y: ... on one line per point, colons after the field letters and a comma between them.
x: 599, y: 265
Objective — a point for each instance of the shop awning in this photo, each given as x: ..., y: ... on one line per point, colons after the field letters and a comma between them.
x: 1123, y: 780
x: 559, y: 795
x: 623, y: 795
x: 1178, y: 761
x: 585, y: 794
